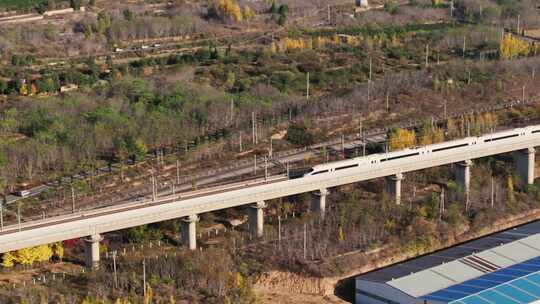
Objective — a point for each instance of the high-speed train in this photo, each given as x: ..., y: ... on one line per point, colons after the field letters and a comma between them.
x: 375, y: 159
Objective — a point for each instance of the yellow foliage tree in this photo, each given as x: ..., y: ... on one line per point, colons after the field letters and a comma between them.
x: 352, y: 40
x: 290, y: 44
x: 248, y: 13
x: 401, y: 139
x: 510, y: 189
x: 23, y: 90
x: 490, y: 121
x: 230, y: 9
x: 149, y: 294
x: 42, y: 253
x: 430, y: 135
x: 452, y: 128
x: 512, y: 47
x: 273, y: 47
x: 320, y: 42
x: 438, y: 135
x: 28, y: 256
x: 25, y: 256
x: 8, y: 260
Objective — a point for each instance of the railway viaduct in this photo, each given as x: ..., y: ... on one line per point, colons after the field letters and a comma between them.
x: 91, y: 224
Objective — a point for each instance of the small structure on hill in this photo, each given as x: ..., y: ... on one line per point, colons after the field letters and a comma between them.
x: 362, y: 4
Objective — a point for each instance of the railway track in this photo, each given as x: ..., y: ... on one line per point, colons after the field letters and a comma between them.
x: 133, y: 205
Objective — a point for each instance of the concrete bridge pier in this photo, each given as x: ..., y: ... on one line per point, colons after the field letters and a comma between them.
x: 525, y: 165
x: 188, y: 231
x: 92, y: 251
x: 318, y: 201
x: 256, y: 219
x: 393, y: 187
x: 463, y: 175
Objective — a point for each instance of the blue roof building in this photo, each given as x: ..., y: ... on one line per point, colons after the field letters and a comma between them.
x: 501, y: 268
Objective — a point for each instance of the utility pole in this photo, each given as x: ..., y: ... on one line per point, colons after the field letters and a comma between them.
x: 343, y: 145
x: 307, y: 85
x: 441, y: 211
x: 518, y: 17
x: 232, y: 111
x: 153, y: 187
x: 114, y: 269
x: 240, y: 140
x: 305, y: 241
x: 19, y: 216
x: 452, y: 8
x: 387, y: 102
x: 523, y: 95
x: 270, y: 152
x: 370, y: 66
x: 464, y: 46
x: 265, y: 168
x: 445, y: 109
x: 1, y: 216
x: 492, y: 191
x: 533, y: 72
x: 72, y: 199
x: 144, y: 277
x: 363, y: 148
x: 427, y: 55
x: 256, y: 131
x: 177, y: 171
x: 328, y: 12
x: 254, y: 164
x: 253, y: 127
x: 368, y: 89
x: 279, y: 229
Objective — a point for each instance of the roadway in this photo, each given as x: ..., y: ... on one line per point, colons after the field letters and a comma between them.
x: 177, y: 206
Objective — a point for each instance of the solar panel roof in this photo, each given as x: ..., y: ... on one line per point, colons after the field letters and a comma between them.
x: 453, y: 253
x: 496, y: 287
x: 522, y: 290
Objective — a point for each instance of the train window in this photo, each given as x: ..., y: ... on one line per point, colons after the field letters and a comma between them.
x: 347, y: 167
x: 499, y: 138
x: 450, y: 147
x: 403, y: 156
x: 319, y: 172
x: 535, y: 131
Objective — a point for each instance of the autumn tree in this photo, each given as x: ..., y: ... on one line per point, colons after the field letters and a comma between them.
x: 399, y: 138
x: 512, y: 47
x: 31, y: 255
x: 229, y: 9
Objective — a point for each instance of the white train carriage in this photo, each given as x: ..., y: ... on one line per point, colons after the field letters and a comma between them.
x: 409, y: 154
x: 496, y: 137
x: 336, y: 166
